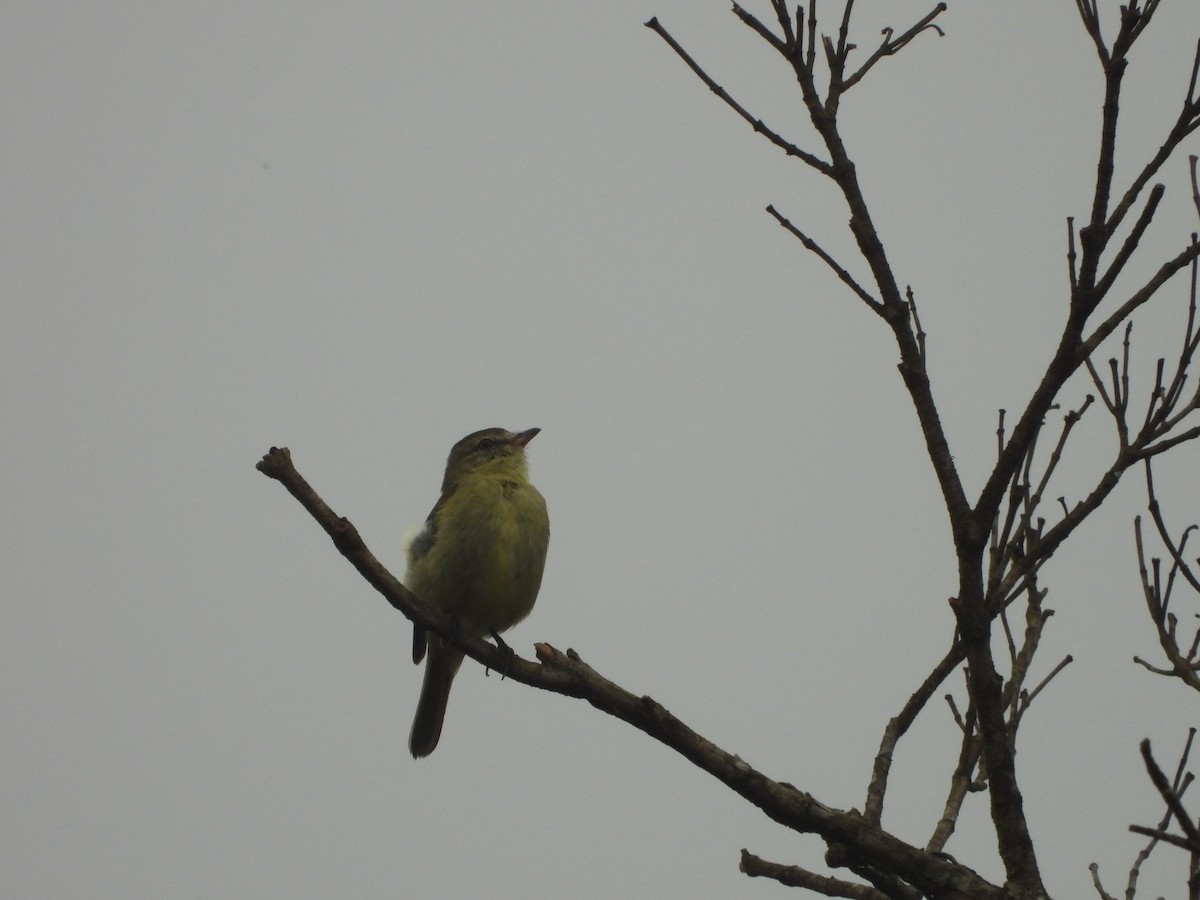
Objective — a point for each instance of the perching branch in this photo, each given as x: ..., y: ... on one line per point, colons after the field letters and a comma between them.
x: 864, y: 843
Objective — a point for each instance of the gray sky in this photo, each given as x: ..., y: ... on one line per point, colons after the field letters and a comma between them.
x: 364, y: 230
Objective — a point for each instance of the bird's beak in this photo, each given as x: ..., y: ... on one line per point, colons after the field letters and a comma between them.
x: 524, y: 437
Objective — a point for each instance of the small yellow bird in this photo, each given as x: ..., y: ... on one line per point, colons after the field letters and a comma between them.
x: 479, y: 559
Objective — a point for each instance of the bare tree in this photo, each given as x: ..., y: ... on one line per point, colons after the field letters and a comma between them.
x: 1002, y: 537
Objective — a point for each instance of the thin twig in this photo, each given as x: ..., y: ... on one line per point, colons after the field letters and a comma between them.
x: 785, y: 21
x: 1165, y: 273
x: 1072, y: 269
x: 1190, y: 99
x: 1159, y: 834
x: 763, y: 31
x: 1063, y: 663
x: 795, y: 876
x: 1131, y: 241
x: 1184, y: 819
x: 898, y: 726
x: 1104, y: 895
x: 891, y: 46
x: 757, y: 124
x: 810, y: 57
x: 1185, y: 123
x: 1176, y: 551
x: 1091, y: 23
x: 813, y: 246
x: 912, y: 308
x: 1146, y: 452
x: 1069, y: 422
x: 1195, y: 185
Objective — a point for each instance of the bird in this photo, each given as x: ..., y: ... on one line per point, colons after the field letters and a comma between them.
x: 478, y: 559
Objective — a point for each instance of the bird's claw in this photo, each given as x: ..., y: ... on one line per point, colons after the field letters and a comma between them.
x: 509, y: 654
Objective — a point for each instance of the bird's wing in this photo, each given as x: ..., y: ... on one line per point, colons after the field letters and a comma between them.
x: 418, y: 549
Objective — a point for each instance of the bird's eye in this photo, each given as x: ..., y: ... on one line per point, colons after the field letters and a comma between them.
x: 486, y: 444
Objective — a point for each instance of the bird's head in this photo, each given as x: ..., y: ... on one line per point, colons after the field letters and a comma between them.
x: 492, y: 451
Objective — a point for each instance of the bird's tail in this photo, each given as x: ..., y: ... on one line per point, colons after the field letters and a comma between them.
x: 440, y: 669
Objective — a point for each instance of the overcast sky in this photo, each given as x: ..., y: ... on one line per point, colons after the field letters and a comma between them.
x: 363, y: 230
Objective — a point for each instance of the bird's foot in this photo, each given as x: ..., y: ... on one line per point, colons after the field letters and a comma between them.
x: 508, y: 652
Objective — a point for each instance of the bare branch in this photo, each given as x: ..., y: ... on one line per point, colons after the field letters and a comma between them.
x: 810, y: 55
x: 1131, y: 242
x: 984, y: 684
x: 1191, y: 91
x: 1187, y: 121
x: 898, y: 727
x: 841, y: 170
x: 1072, y: 259
x: 1164, y: 274
x: 1181, y: 782
x: 1104, y: 895
x: 814, y: 247
x: 1107, y: 399
x: 1160, y: 835
x: 1091, y: 23
x: 1149, y: 450
x: 1069, y: 422
x: 763, y: 31
x: 1072, y: 352
x: 961, y: 784
x: 757, y: 124
x: 785, y: 21
x: 1063, y: 663
x: 1195, y: 185
x: 843, y: 47
x: 1183, y: 665
x: 795, y: 876
x: 912, y: 309
x: 1170, y: 796
x: 1176, y: 550
x: 962, y: 781
x: 1043, y: 547
x: 1158, y: 398
x: 891, y: 46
